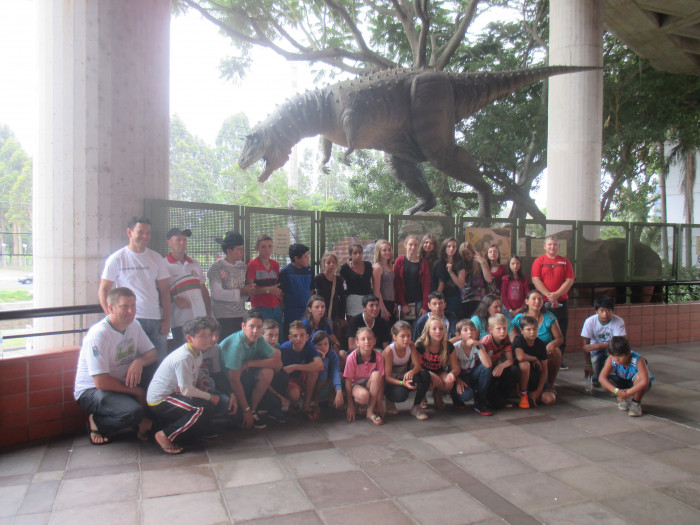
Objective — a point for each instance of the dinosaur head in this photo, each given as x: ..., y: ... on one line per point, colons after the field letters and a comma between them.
x: 259, y: 145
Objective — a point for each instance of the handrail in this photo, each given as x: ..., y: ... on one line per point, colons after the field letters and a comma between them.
x: 56, y: 311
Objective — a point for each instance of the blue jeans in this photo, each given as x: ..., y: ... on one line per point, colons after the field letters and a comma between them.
x: 478, y: 381
x: 160, y: 341
x: 598, y: 360
x: 112, y: 411
x: 178, y: 336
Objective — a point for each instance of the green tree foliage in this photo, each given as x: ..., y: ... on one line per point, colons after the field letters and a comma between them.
x: 201, y: 173
x: 15, y: 191
x: 643, y: 108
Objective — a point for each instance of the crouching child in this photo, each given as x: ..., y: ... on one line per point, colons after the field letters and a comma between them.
x: 626, y: 375
x: 181, y: 410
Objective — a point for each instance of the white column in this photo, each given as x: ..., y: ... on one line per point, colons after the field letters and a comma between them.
x: 575, y: 111
x: 103, y: 138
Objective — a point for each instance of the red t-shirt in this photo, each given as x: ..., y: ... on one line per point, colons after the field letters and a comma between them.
x: 263, y: 277
x: 553, y: 272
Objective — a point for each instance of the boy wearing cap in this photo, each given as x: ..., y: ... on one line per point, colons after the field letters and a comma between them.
x: 189, y: 296
x: 229, y: 292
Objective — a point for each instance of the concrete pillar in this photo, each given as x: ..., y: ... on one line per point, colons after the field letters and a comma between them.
x: 575, y: 111
x: 103, y: 138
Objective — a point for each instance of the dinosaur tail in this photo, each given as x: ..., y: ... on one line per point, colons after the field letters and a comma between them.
x: 473, y: 91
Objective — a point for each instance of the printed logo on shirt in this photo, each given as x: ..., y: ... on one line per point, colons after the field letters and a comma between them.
x: 95, y: 352
x: 125, y: 349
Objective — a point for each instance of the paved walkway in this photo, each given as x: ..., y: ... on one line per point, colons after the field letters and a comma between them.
x: 579, y: 461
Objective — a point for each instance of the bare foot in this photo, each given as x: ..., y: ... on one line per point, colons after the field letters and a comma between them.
x: 166, y: 445
x: 144, y: 429
x: 95, y: 437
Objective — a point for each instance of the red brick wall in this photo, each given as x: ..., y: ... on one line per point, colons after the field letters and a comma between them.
x: 36, y: 392
x: 36, y: 396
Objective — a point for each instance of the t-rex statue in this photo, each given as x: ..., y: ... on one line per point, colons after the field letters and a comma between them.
x: 408, y: 113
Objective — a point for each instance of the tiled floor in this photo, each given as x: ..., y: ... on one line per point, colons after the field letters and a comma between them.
x: 579, y: 461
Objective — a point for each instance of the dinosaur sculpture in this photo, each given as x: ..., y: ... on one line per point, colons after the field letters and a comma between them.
x: 408, y: 113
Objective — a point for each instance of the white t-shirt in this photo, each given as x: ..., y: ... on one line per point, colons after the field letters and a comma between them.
x: 602, y: 333
x: 186, y: 280
x: 139, y: 272
x: 106, y: 350
x: 176, y: 374
x: 466, y: 362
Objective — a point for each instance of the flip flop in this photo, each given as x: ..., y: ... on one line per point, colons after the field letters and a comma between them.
x: 377, y: 420
x: 96, y: 432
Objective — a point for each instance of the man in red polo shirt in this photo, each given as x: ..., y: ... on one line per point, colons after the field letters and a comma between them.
x: 553, y: 276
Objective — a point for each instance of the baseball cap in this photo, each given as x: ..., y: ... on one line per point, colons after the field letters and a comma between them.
x: 231, y: 240
x: 178, y: 231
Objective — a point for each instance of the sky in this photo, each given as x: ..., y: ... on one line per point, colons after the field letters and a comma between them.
x: 198, y: 94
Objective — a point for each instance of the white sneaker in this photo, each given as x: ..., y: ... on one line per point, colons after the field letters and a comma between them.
x: 623, y: 405
x: 418, y: 413
x: 635, y: 409
x: 390, y: 408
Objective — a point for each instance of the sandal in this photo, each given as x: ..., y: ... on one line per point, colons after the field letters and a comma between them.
x: 377, y: 420
x: 94, y: 432
x: 424, y: 405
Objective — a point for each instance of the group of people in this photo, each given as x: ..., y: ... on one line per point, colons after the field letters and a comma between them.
x: 405, y: 333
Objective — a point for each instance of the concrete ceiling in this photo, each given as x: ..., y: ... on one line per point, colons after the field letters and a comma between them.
x: 665, y: 32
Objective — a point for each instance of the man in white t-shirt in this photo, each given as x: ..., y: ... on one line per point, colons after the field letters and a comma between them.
x: 143, y: 271
x: 112, y: 357
x: 597, y: 332
x: 187, y: 285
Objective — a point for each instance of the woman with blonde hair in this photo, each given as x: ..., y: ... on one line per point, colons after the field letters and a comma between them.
x: 383, y: 279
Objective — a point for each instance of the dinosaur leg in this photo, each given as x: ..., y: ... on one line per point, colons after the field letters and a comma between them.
x: 327, y: 148
x: 460, y: 165
x: 433, y: 121
x: 411, y: 175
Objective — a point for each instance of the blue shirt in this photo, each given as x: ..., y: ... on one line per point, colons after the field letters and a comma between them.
x: 296, y: 283
x: 290, y: 357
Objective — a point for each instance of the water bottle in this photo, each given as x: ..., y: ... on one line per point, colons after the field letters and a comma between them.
x: 589, y: 385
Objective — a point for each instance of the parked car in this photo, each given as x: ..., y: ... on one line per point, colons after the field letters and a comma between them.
x: 27, y: 279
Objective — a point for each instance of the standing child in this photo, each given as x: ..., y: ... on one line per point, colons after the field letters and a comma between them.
x: 514, y: 288
x: 229, y: 291
x: 402, y: 362
x: 597, y: 332
x: 531, y: 354
x: 383, y: 279
x: 263, y: 272
x: 303, y: 364
x: 475, y: 365
x: 296, y: 282
x: 438, y: 358
x: 364, y: 378
x: 626, y: 375
x: 330, y: 375
x: 504, y: 372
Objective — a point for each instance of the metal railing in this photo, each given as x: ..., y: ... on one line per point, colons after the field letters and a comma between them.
x: 59, y: 311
